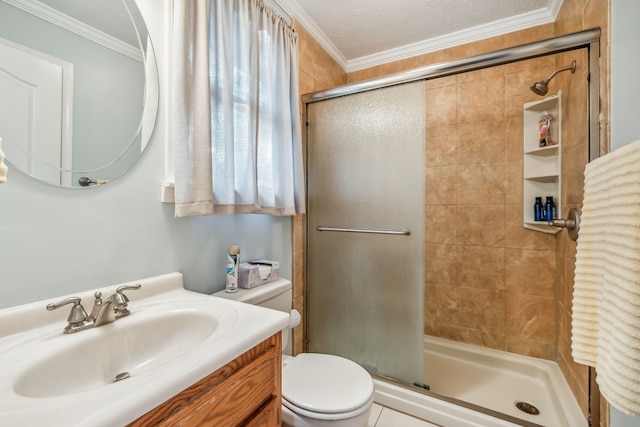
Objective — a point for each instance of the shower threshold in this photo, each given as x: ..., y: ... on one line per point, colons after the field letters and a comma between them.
x: 438, y: 409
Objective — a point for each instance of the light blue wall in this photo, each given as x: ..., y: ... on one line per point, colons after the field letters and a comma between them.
x: 625, y: 102
x: 56, y: 241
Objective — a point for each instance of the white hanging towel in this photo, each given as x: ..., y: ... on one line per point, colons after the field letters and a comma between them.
x: 606, y: 298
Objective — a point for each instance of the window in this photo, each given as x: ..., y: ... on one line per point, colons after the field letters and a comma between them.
x: 236, y: 125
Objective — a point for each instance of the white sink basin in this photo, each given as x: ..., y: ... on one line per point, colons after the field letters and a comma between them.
x: 132, y: 345
x: 171, y: 340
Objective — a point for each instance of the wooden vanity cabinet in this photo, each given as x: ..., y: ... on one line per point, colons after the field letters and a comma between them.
x: 244, y: 392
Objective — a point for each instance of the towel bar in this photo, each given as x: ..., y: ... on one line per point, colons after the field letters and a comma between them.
x: 403, y: 232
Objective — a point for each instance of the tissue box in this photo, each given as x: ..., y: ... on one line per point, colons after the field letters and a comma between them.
x: 256, y: 273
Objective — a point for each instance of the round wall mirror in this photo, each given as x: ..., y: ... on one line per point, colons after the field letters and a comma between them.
x: 79, y: 87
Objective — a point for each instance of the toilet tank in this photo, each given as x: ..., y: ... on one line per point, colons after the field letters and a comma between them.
x: 276, y: 295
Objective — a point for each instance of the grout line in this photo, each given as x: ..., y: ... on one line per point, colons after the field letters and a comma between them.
x: 378, y: 417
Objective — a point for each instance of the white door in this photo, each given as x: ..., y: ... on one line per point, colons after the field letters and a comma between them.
x: 35, y: 119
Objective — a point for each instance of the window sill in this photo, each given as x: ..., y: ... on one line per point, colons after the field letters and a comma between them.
x: 167, y: 192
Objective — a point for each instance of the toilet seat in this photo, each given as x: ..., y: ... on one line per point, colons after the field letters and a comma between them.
x: 327, y: 387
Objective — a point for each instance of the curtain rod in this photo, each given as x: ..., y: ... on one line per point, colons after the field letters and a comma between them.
x: 503, y: 56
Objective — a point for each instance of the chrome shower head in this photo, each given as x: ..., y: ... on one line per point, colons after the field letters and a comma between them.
x: 541, y: 88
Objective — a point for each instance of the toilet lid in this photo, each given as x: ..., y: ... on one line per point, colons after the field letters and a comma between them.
x: 324, y: 383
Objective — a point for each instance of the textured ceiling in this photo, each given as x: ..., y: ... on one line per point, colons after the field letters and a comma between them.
x: 360, y: 33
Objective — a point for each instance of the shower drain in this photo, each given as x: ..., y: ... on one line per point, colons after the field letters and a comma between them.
x: 527, y: 408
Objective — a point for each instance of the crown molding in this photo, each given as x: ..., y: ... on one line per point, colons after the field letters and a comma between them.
x: 481, y: 32
x: 554, y: 8
x: 293, y: 9
x: 55, y: 17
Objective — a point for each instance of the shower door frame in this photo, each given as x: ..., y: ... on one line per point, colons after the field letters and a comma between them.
x: 586, y: 39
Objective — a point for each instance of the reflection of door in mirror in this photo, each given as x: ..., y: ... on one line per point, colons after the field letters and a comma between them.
x: 37, y: 91
x: 114, y: 83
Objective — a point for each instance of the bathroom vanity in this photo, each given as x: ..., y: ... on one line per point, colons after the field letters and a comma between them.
x: 179, y: 358
x: 245, y: 391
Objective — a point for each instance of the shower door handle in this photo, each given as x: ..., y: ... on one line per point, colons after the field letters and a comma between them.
x: 403, y: 232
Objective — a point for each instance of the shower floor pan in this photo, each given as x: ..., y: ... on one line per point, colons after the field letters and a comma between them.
x: 498, y: 380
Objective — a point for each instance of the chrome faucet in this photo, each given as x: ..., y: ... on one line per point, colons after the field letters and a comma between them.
x: 107, y: 311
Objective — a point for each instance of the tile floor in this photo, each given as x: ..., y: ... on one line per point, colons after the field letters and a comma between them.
x: 385, y: 417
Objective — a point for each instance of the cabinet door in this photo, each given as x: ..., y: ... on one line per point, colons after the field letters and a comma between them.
x: 268, y: 416
x: 239, y: 397
x: 234, y: 395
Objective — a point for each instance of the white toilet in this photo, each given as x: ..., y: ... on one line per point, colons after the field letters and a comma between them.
x: 317, y: 389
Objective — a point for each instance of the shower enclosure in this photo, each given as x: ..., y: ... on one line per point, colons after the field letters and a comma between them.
x: 414, y: 199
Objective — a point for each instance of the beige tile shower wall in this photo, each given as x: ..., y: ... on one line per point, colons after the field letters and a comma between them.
x: 488, y: 280
x: 317, y: 71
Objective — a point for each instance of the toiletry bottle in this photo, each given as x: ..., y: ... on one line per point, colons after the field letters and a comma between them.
x: 233, y: 260
x: 544, y: 128
x: 538, y: 210
x: 550, y: 209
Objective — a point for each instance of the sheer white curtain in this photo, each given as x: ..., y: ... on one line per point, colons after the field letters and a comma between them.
x: 236, y: 121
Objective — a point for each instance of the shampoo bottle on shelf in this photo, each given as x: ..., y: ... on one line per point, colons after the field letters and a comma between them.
x: 550, y: 209
x: 538, y: 210
x: 233, y: 260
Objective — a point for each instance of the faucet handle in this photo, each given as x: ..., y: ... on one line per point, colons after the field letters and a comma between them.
x: 77, y: 319
x: 121, y: 289
x: 120, y: 299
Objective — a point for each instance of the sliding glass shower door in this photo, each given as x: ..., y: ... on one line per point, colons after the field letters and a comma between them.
x: 366, y: 229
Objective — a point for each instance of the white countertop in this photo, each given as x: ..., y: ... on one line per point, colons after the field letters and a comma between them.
x: 31, y: 341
